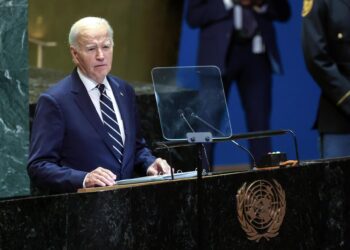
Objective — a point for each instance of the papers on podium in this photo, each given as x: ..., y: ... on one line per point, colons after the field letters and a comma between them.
x: 177, y: 176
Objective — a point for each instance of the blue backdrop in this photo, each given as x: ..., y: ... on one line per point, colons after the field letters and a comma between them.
x: 295, y: 95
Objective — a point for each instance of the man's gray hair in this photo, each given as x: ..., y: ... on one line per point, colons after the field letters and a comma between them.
x: 79, y: 25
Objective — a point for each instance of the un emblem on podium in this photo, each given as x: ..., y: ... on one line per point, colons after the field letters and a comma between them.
x: 261, y: 207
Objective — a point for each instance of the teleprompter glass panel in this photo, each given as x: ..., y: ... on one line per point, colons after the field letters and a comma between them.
x: 191, y: 100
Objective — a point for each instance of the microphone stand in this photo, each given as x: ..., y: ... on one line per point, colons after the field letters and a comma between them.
x: 199, y: 138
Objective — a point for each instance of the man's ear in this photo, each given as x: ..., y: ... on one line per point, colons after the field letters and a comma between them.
x: 74, y: 53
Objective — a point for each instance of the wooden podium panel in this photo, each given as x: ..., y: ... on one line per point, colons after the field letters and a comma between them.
x: 304, y: 207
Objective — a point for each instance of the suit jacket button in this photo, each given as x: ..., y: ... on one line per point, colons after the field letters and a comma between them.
x: 340, y: 35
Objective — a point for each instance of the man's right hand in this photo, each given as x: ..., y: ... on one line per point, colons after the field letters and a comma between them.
x: 100, y: 177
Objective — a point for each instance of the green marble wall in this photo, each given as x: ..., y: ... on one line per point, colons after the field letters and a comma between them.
x: 13, y: 98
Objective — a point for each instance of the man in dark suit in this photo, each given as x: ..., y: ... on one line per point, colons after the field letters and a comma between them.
x: 84, y: 135
x: 326, y: 45
x: 239, y: 38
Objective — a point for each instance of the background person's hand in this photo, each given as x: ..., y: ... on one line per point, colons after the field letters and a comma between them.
x: 246, y: 2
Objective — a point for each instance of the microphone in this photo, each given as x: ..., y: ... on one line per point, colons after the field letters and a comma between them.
x: 182, y: 115
x: 192, y: 114
x: 221, y: 133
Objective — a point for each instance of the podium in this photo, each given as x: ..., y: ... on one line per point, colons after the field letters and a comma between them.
x: 165, y: 215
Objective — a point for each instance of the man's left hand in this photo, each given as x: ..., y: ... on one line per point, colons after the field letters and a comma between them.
x: 159, y: 167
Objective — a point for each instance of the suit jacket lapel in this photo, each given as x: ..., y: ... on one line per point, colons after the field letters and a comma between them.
x: 85, y: 104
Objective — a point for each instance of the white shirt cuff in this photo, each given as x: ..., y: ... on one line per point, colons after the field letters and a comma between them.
x: 84, y: 181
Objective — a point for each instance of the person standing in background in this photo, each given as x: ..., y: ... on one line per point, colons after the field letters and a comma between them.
x: 239, y: 37
x: 326, y: 47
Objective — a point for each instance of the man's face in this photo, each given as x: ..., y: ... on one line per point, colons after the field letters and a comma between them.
x: 93, y: 54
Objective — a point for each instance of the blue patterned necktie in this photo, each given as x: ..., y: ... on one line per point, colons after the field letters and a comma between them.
x: 110, y: 122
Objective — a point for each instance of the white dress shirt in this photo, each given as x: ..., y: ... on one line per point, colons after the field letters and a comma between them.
x: 94, y: 93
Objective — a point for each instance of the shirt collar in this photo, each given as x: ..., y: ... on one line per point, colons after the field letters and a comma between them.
x: 91, y: 84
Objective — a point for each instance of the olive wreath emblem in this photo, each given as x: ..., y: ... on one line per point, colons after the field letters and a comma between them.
x: 261, y: 208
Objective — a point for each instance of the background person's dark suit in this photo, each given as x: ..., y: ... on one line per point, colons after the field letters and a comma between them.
x: 69, y: 140
x: 220, y: 45
x: 326, y: 45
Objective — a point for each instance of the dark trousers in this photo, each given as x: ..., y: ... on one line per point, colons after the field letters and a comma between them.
x: 253, y: 75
